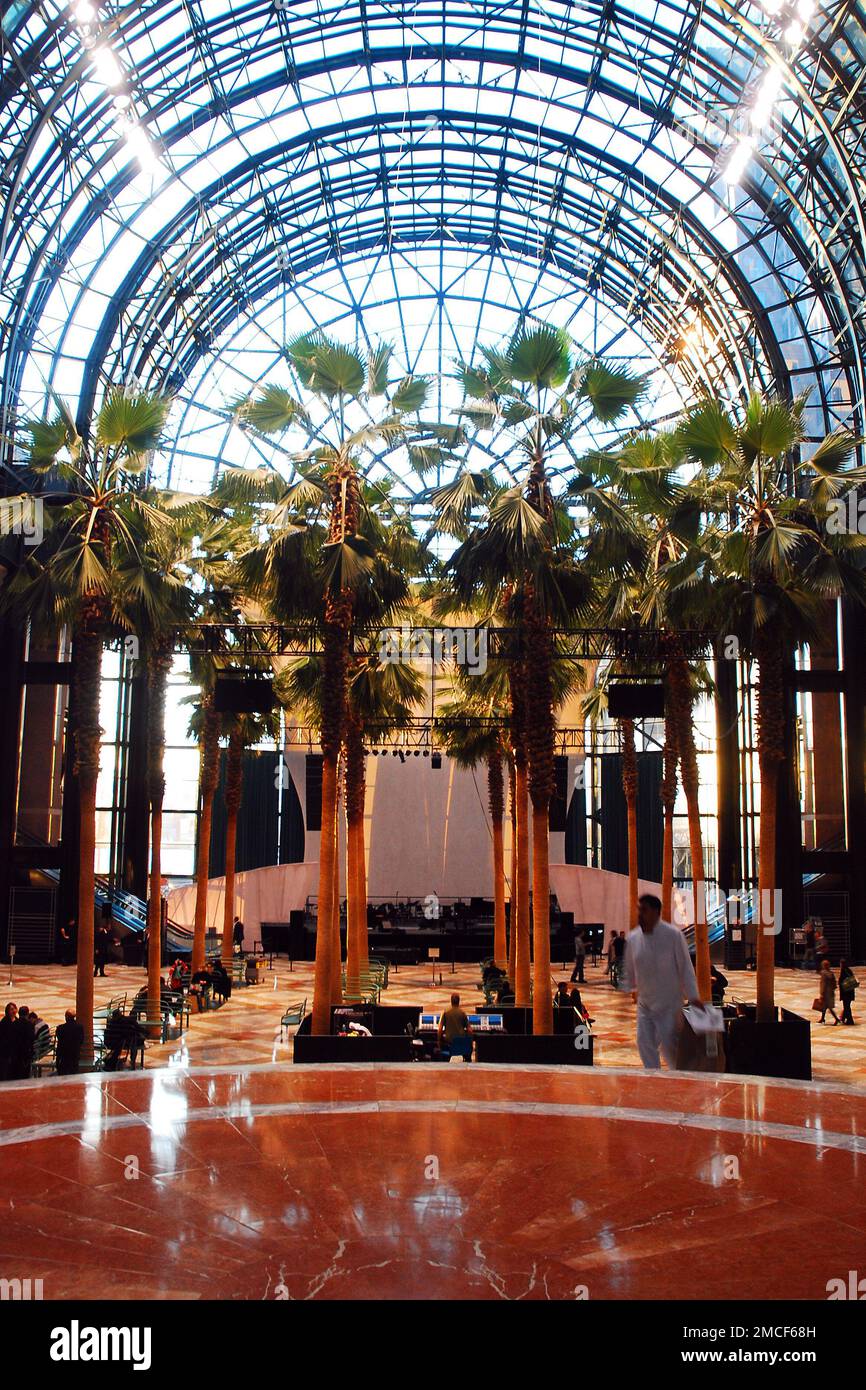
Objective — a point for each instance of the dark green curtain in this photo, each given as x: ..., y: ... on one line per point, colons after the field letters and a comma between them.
x: 575, y: 828
x: 650, y: 820
x: 292, y: 838
x: 557, y: 815
x: 257, y: 818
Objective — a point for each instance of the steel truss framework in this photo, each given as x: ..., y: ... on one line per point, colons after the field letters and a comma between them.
x: 425, y: 735
x: 436, y: 172
x: 257, y: 642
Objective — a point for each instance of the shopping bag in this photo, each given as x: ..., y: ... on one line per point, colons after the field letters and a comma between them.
x: 701, y: 1047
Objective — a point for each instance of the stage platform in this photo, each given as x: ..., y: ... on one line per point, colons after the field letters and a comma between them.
x: 274, y: 1182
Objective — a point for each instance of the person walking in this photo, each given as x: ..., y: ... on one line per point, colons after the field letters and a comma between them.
x: 579, y: 958
x: 827, y: 992
x: 848, y: 984
x: 658, y: 972
x: 611, y: 953
x: 66, y: 943
x: 100, y: 949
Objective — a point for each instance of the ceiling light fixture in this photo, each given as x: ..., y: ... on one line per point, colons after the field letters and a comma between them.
x: 107, y: 66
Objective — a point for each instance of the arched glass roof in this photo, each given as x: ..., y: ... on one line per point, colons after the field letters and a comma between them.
x: 186, y: 185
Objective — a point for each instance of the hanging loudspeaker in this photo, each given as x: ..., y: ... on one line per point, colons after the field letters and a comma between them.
x: 243, y: 694
x: 636, y: 701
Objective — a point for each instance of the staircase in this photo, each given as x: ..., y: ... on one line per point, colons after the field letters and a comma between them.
x: 130, y: 912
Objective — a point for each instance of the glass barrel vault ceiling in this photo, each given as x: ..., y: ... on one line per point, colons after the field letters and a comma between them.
x: 429, y: 173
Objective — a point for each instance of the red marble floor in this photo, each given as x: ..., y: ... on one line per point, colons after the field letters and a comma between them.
x: 430, y: 1182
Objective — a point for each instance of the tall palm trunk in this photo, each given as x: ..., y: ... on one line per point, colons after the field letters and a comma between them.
x: 496, y: 800
x: 356, y: 906
x: 321, y: 1022
x: 361, y: 896
x: 88, y: 678
x: 669, y: 797
x: 344, y: 501
x: 159, y: 665
x: 337, y: 948
x: 512, y: 915
x: 522, y: 992
x: 520, y: 904
x: 539, y: 740
x: 629, y: 787
x: 681, y: 689
x: 234, y: 793
x: 770, y: 722
x: 208, y: 779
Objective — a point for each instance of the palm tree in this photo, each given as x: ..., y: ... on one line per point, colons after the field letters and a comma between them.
x: 472, y: 733
x: 594, y: 708
x: 534, y: 388
x: 244, y: 731
x: 205, y: 726
x: 662, y: 591
x: 775, y: 563
x: 523, y: 556
x: 158, y: 603
x: 669, y: 797
x: 340, y: 385
x: 222, y: 536
x: 70, y: 579
x: 381, y: 696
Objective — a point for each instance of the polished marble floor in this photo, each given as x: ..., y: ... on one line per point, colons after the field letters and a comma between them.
x: 247, y: 1030
x: 430, y: 1182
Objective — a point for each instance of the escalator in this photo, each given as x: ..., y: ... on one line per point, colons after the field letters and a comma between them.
x: 128, y: 912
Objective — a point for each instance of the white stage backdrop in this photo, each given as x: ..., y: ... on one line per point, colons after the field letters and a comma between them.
x: 268, y: 895
x: 427, y: 830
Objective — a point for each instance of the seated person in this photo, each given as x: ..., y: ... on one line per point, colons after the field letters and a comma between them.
x: 453, y: 1023
x: 578, y: 1005
x: 139, y: 1004
x: 220, y: 980
x: 122, y: 1033
x: 502, y: 989
x: 491, y: 973
x: 178, y: 975
x: 41, y: 1031
x: 562, y: 998
x: 70, y: 1040
x: 719, y: 984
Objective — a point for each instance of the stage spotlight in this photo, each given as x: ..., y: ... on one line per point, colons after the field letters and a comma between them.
x: 393, y: 752
x: 426, y: 752
x: 417, y: 753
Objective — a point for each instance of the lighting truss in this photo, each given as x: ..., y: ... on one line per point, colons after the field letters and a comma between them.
x: 426, y: 735
x: 257, y: 643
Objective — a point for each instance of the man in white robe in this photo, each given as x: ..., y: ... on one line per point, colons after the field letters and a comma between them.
x: 658, y: 971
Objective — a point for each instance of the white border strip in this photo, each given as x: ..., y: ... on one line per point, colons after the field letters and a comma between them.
x: 92, y: 1129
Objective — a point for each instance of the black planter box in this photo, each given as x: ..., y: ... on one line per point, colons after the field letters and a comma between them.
x: 324, y: 1049
x: 544, y: 1050
x: 782, y: 1048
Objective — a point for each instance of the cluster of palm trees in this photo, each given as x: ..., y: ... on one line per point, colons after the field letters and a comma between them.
x: 717, y: 525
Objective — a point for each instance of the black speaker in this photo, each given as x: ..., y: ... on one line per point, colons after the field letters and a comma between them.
x: 636, y: 701
x: 243, y: 694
